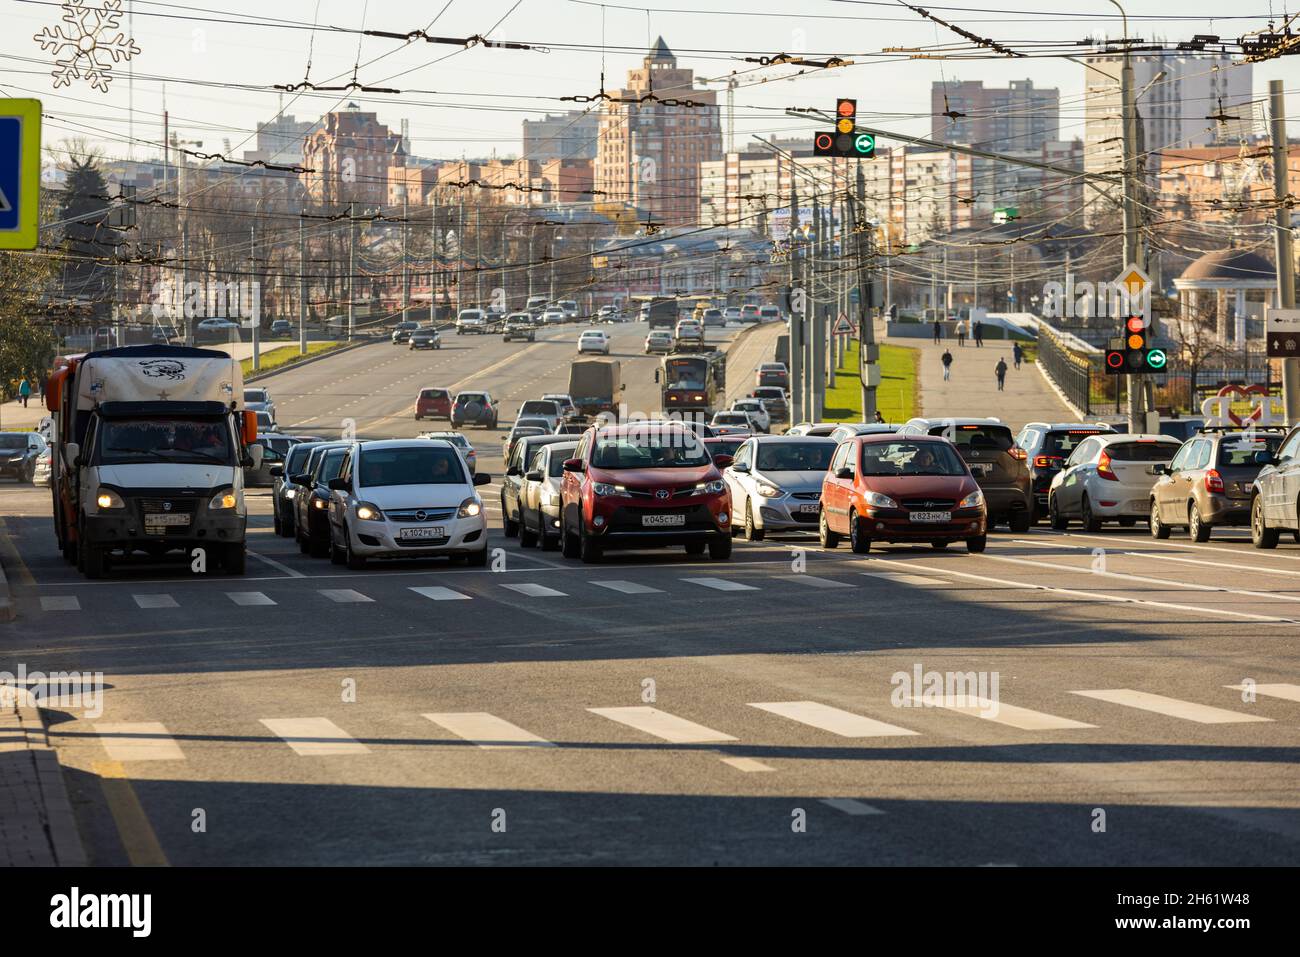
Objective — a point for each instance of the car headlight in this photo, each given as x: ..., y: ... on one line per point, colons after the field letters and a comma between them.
x: 319, y: 503
x: 223, y: 500
x: 879, y: 500
x: 974, y: 500
x: 291, y: 493
x: 369, y: 513
x: 711, y: 488
x: 470, y: 507
x: 107, y: 498
x: 767, y: 490
x: 603, y: 488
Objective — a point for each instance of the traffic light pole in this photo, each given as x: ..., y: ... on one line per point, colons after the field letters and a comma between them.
x: 1133, y: 251
x: 1282, y: 232
x: 797, y: 310
x: 866, y: 326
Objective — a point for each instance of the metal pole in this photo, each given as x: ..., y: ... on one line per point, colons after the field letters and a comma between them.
x: 460, y: 253
x: 352, y: 269
x: 406, y: 276
x: 1132, y: 237
x: 478, y: 256
x: 302, y: 288
x: 257, y: 319
x: 866, y: 324
x: 1282, y: 234
x: 798, y: 307
x: 434, y: 271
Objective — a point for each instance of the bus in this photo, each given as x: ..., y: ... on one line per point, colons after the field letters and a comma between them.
x: 694, y: 384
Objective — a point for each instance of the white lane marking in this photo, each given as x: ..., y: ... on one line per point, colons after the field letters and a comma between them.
x: 344, y: 595
x: 1194, y: 561
x: 1118, y: 599
x: 851, y: 807
x: 1125, y: 576
x: 1008, y: 714
x: 815, y: 582
x: 138, y: 741
x: 1172, y: 707
x: 248, y: 598
x: 533, y: 590
x: 1156, y: 543
x: 543, y: 561
x: 438, y: 593
x: 661, y: 724
x: 628, y: 588
x: 60, y: 603
x: 155, y: 601
x: 487, y: 730
x: 747, y: 764
x: 1284, y: 691
x: 312, y: 737
x: 903, y: 578
x: 720, y: 584
x: 278, y: 566
x: 844, y: 723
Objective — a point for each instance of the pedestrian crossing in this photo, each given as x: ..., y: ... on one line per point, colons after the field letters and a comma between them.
x: 322, y: 737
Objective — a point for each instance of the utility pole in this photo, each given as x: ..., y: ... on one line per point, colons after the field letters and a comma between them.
x: 406, y: 276
x: 352, y: 268
x: 866, y: 325
x: 302, y: 288
x: 798, y: 308
x: 434, y: 262
x: 478, y: 256
x: 1282, y: 234
x: 1133, y: 253
x: 185, y: 280
x: 460, y: 253
x: 257, y: 319
x: 817, y: 340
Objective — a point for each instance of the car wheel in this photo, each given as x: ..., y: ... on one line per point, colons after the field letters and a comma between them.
x: 354, y: 561
x: 1059, y: 522
x: 752, y: 532
x: 695, y: 548
x: 1261, y: 536
x: 977, y: 544
x: 527, y: 537
x: 511, y: 528
x: 1128, y: 521
x: 336, y: 553
x: 278, y: 525
x: 91, y: 560
x: 720, y: 548
x: 828, y: 538
x: 1019, y: 521
x: 1158, y: 528
x: 860, y: 544
x: 477, y: 559
x: 235, y: 559
x: 1090, y: 521
x: 589, y: 549
x: 1196, y: 526
x: 569, y: 545
x: 939, y: 546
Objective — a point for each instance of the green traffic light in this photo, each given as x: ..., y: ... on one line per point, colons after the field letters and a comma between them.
x: 864, y: 143
x: 1156, y: 358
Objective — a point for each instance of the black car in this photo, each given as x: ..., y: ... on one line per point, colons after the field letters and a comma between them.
x: 474, y: 408
x: 518, y: 463
x: 519, y: 325
x: 427, y: 338
x: 18, y: 454
x: 999, y: 465
x: 402, y: 331
x: 1046, y: 447
x: 311, y: 525
x: 283, y: 491
x: 280, y: 327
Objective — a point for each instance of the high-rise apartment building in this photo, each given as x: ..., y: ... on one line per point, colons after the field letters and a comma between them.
x: 1016, y: 117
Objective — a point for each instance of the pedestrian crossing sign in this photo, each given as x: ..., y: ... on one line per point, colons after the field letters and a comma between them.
x: 20, y: 172
x: 842, y: 325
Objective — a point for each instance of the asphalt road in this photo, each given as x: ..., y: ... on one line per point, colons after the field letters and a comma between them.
x: 663, y: 709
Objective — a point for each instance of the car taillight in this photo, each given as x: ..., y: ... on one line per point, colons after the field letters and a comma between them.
x: 1213, y: 481
x: 1047, y: 461
x: 1018, y: 453
x: 1103, y: 468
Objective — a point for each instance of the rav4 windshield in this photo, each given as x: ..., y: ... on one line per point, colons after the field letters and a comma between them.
x: 652, y: 448
x: 130, y: 441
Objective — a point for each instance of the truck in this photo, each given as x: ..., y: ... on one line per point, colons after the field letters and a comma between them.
x: 782, y: 352
x: 594, y: 385
x: 662, y: 314
x: 149, y: 449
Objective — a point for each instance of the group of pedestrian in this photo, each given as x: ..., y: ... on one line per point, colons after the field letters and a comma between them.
x: 977, y: 333
x: 25, y: 389
x: 1000, y: 370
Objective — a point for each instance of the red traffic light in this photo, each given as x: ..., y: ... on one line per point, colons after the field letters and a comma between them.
x: 1136, y: 324
x: 846, y: 108
x: 1115, y: 359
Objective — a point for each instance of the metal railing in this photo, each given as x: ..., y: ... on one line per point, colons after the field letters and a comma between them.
x: 1071, y: 371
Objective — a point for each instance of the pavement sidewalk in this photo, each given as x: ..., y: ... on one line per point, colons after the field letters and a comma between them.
x: 37, y: 827
x: 973, y: 388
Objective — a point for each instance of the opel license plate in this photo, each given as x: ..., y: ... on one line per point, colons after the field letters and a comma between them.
x: 407, y: 534
x: 661, y: 520
x: 937, y: 517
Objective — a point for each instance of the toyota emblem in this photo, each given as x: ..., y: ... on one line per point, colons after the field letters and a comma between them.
x: 662, y: 493
x: 420, y: 516
x: 167, y: 506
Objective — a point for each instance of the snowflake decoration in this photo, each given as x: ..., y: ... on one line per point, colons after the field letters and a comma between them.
x: 80, y: 53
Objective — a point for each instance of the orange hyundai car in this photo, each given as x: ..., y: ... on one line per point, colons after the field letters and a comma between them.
x: 885, y: 487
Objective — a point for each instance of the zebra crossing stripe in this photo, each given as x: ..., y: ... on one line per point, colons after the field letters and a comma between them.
x: 844, y: 723
x: 60, y: 603
x: 1284, y: 691
x: 628, y: 588
x: 488, y: 731
x: 661, y: 724
x: 1171, y: 707
x: 155, y: 601
x: 438, y: 593
x: 344, y: 596
x: 314, y: 737
x: 249, y: 599
x: 850, y: 806
x: 138, y: 741
x: 533, y: 590
x: 720, y: 584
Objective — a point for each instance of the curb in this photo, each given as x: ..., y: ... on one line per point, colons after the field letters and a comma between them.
x: 290, y: 366
x: 60, y: 823
x: 6, y: 597
x: 46, y: 829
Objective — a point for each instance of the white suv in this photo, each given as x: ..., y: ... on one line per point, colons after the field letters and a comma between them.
x: 471, y: 320
x: 406, y: 498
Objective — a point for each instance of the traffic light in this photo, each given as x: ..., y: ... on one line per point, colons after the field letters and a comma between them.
x: 844, y: 140
x: 1131, y: 353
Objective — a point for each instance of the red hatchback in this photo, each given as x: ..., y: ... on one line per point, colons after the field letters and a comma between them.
x: 643, y: 485
x: 886, y: 487
x: 433, y: 404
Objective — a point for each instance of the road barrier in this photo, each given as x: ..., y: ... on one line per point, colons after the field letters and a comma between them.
x: 1069, y: 371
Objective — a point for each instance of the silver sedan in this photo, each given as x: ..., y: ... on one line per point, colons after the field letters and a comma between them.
x: 775, y: 483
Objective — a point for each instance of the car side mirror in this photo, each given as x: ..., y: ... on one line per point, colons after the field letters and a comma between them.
x: 339, y: 485
x: 723, y: 461
x: 72, y: 455
x: 1266, y: 458
x: 573, y: 465
x: 482, y: 478
x: 255, y: 453
x: 742, y: 468
x: 301, y: 478
x: 513, y: 470
x: 533, y: 476
x: 277, y: 472
x: 622, y: 387
x: 844, y: 472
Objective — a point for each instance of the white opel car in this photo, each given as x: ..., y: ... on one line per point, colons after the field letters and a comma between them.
x: 406, y: 498
x: 1108, y: 477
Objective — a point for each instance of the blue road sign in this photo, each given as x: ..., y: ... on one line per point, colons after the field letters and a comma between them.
x: 20, y: 172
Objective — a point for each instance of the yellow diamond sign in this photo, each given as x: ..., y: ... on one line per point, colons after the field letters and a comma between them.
x: 1133, y: 281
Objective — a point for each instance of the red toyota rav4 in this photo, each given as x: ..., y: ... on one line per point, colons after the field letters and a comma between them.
x: 642, y: 485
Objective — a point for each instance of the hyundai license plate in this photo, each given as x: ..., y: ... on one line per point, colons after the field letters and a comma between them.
x: 662, y: 520
x: 435, y: 531
x: 937, y: 517
x: 807, y: 509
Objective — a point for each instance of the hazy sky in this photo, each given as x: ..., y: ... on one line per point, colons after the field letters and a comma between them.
x: 472, y: 100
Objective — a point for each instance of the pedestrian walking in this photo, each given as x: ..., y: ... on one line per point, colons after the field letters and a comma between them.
x: 961, y: 334
x: 977, y: 331
x: 1017, y: 354
x: 44, y: 380
x: 1001, y: 370
x: 879, y: 418
x: 24, y: 391
x: 947, y: 365
x: 938, y: 331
